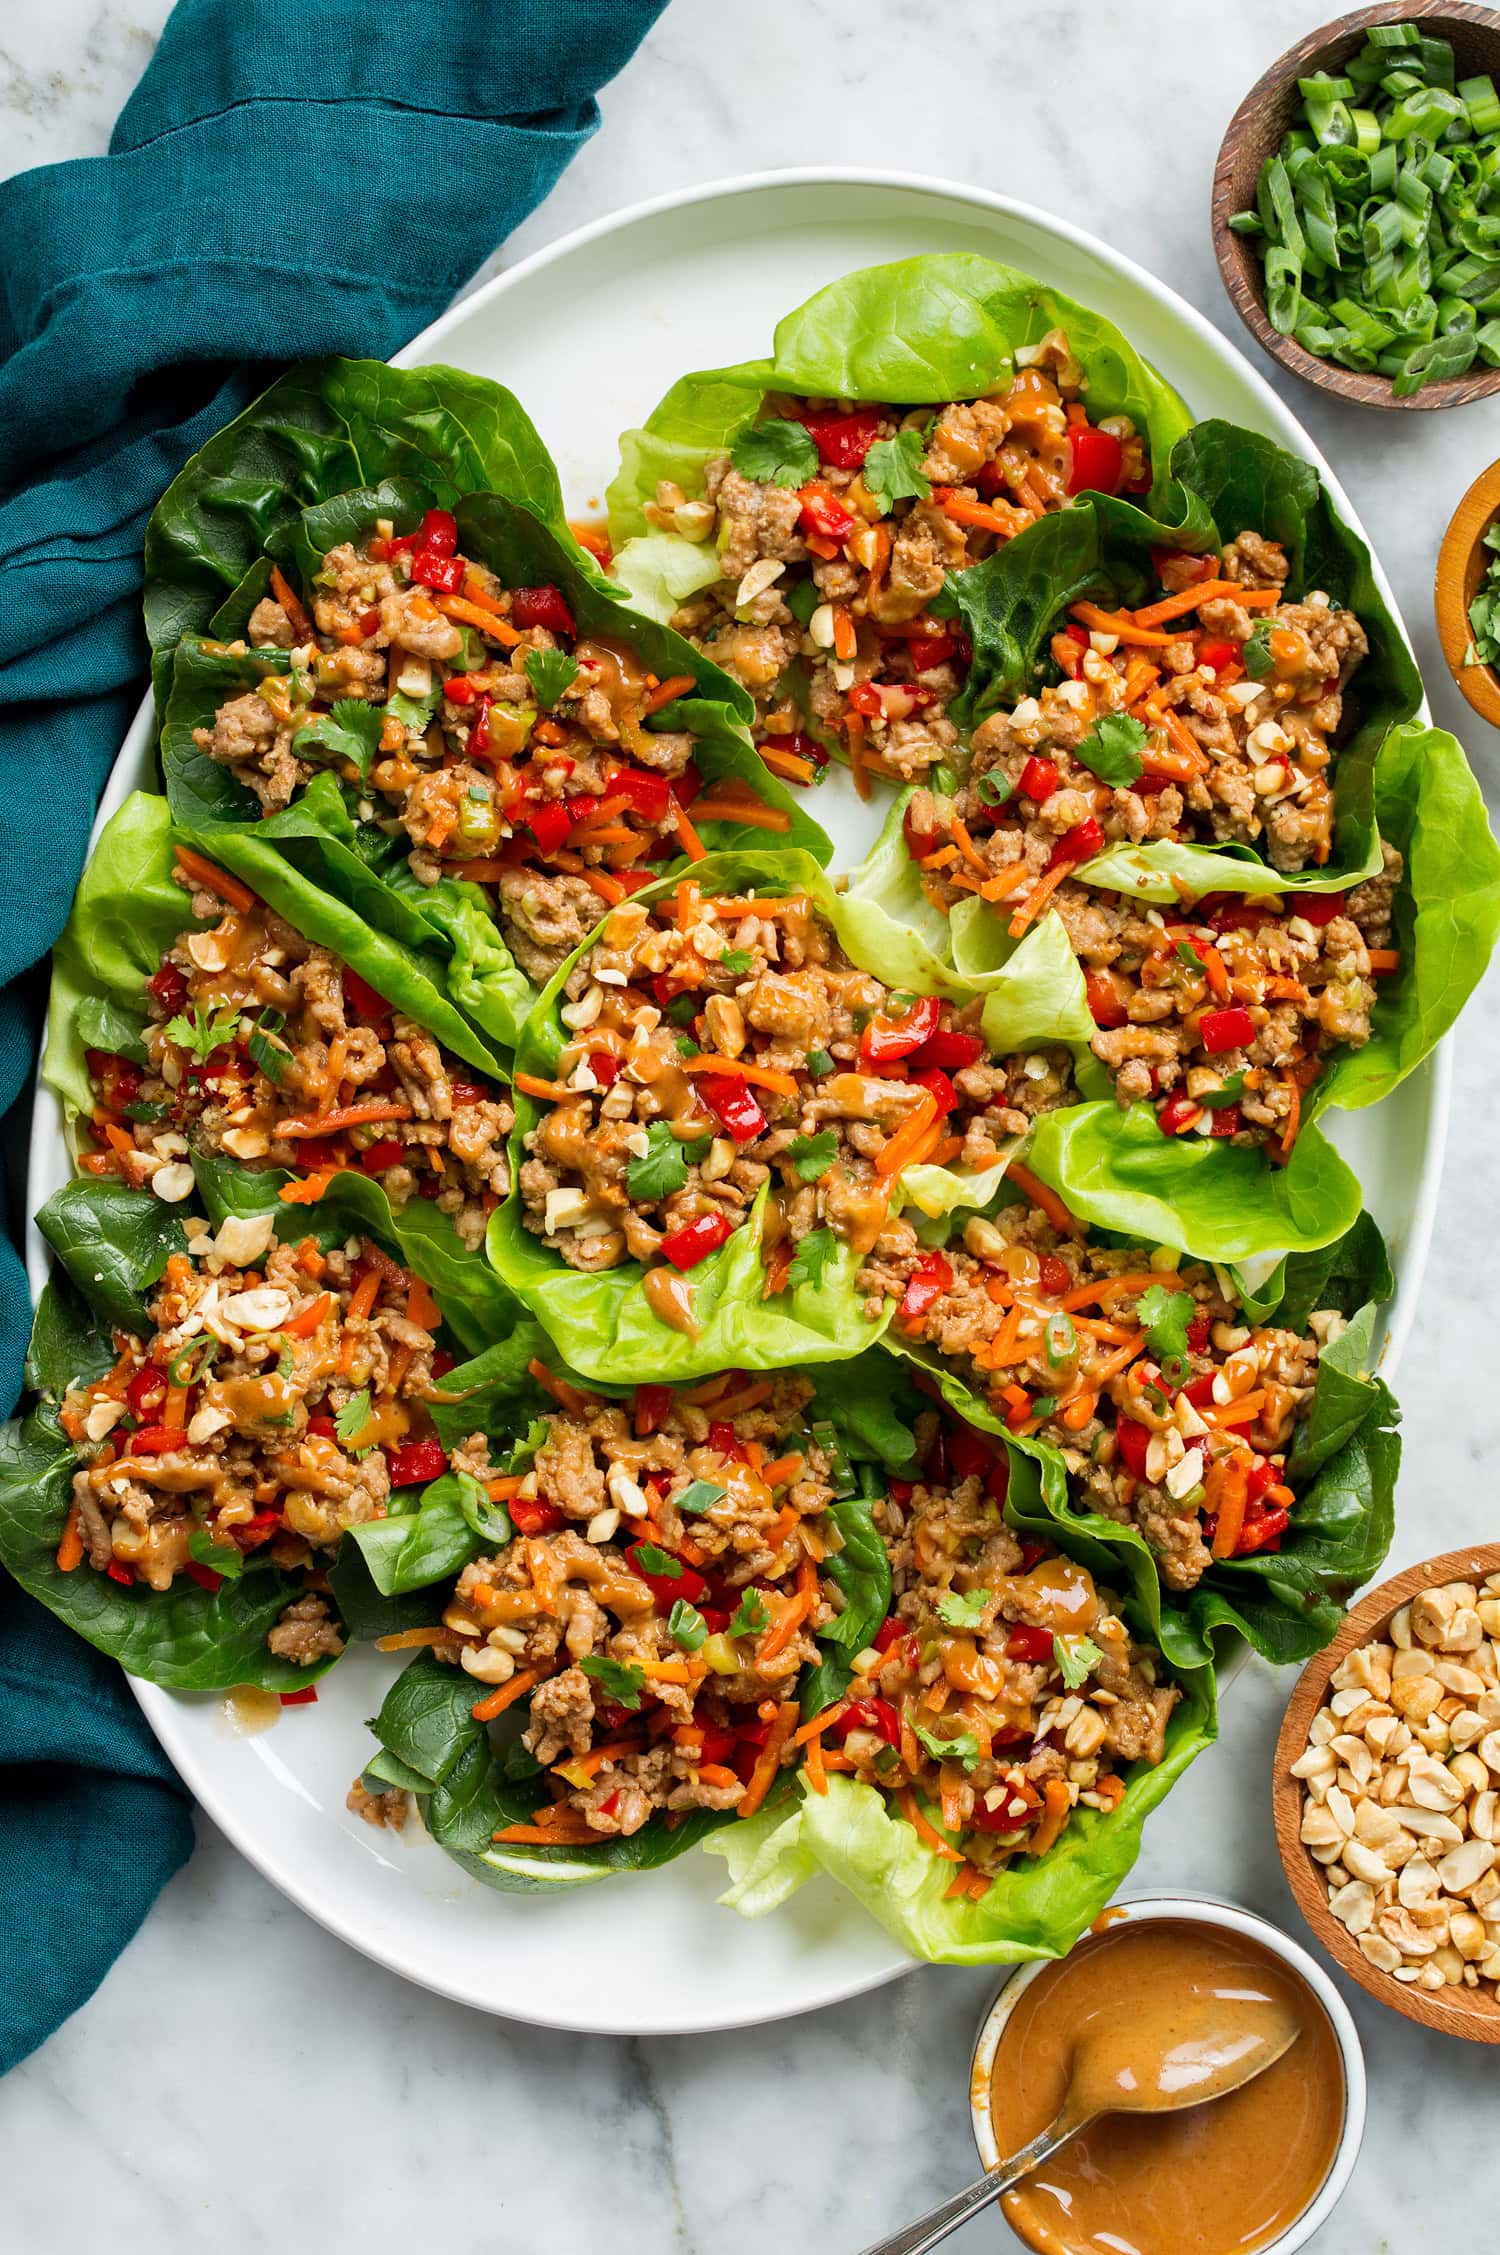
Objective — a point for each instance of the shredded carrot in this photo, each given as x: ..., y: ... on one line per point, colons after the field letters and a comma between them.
x: 785, y: 1468
x: 608, y: 888
x: 675, y: 685
x: 1002, y: 1348
x: 366, y: 1293
x: 1120, y: 624
x: 941, y: 858
x: 502, y: 1489
x: 776, y: 1639
x: 406, y: 1640
x: 1227, y: 1494
x: 1384, y: 959
x: 1037, y: 899
x: 1186, y: 742
x: 790, y: 764
x: 1140, y: 673
x: 858, y: 758
x: 524, y: 1680
x: 845, y: 641
x: 923, y: 1829
x: 744, y: 1397
x: 1043, y: 1198
x: 568, y: 1397
x: 735, y: 1068
x: 769, y: 1760
x: 813, y: 1769
x: 575, y: 1834
x: 1008, y: 881
x: 688, y: 838
x: 1111, y: 1790
x: 1241, y: 1412
x: 966, y: 846
x: 898, y: 1149
x: 1076, y: 1413
x: 1203, y: 591
x: 421, y: 1308
x: 305, y: 1322
x: 1057, y: 1802
x: 480, y: 615
x: 667, y: 1671
x: 1121, y: 1359
x: 291, y: 602
x: 820, y: 1723
x: 1114, y: 1287
x: 546, y: 1092
x: 310, y: 1259
x: 213, y: 879
x: 70, y: 1549
x: 976, y: 514
x: 1293, y: 1119
x: 373, y: 1114
x: 753, y: 813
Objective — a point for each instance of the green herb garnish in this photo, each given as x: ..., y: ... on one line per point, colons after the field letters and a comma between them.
x: 620, y: 1680
x: 812, y: 1257
x: 1077, y: 1656
x: 962, y: 1748
x: 813, y: 1155
x: 892, y: 470
x: 1112, y: 748
x: 203, y: 1033
x: 965, y: 1610
x: 1166, y: 1316
x: 751, y: 1615
x: 550, y: 673
x: 775, y: 453
x: 686, y: 1625
x: 351, y: 731
x: 661, y: 1168
x: 698, y: 1495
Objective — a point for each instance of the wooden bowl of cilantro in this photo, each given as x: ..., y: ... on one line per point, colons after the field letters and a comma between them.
x: 1466, y: 595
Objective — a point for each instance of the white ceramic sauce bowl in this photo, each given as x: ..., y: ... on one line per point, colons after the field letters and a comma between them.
x: 1200, y: 1910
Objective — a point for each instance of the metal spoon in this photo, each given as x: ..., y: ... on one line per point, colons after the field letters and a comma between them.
x: 1208, y: 2060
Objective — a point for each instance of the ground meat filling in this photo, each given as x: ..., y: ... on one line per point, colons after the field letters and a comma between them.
x: 1171, y: 1413
x: 660, y: 1600
x: 277, y: 1400
x: 719, y: 1046
x: 510, y: 747
x: 823, y: 608
x: 264, y: 1046
x: 1004, y: 1690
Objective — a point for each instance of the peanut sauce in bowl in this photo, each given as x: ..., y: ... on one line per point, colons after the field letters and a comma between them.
x: 1161, y: 1991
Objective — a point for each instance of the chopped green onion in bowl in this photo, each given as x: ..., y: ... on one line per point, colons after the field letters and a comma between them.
x: 1484, y: 610
x: 1379, y: 215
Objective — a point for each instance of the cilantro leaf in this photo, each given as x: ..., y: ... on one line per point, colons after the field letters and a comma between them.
x: 1216, y: 1099
x: 414, y: 713
x: 736, y: 961
x: 650, y: 1558
x: 964, y: 1748
x: 353, y: 1417
x: 1112, y: 748
x: 1257, y: 654
x: 620, y: 1680
x: 550, y: 673
x: 893, y: 470
x: 661, y: 1168
x: 751, y: 1615
x: 813, y: 1155
x: 964, y: 1610
x: 686, y: 1625
x: 203, y: 1033
x: 775, y: 453
x: 351, y: 731
x: 1166, y: 1316
x: 271, y: 1055
x: 1188, y: 954
x: 223, y: 1558
x: 1077, y: 1656
x: 698, y: 1495
x: 811, y: 1258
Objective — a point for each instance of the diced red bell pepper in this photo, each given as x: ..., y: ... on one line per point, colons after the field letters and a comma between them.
x: 465, y: 1093
x: 947, y: 1051
x: 116, y: 1078
x: 541, y: 606
x: 442, y: 1362
x: 887, y: 1039
x: 118, y: 1571
x: 650, y: 795
x: 724, y: 1441
x: 693, y: 1243
x: 1226, y: 1122
x: 147, y: 1390
x: 1316, y: 908
x: 823, y: 513
x: 439, y: 533
x: 799, y: 746
x: 1055, y: 1276
x: 972, y: 1457
x: 667, y: 1588
x: 1105, y: 1006
x: 1197, y: 1335
x: 306, y: 1697
x: 204, y: 1576
x: 874, y: 1714
x: 1219, y: 1030
x: 414, y: 1463
x: 843, y: 441
x: 168, y: 988
x: 718, y: 1744
x: 615, y: 1720
x: 462, y: 689
x: 686, y: 786
x: 1133, y: 1439
x: 865, y: 699
x: 1261, y: 1530
x: 930, y: 1278
x: 322, y: 1426
x: 1218, y: 653
x: 983, y: 1818
x: 443, y: 574
x: 733, y: 1106
x: 1027, y: 1643
x: 929, y: 650
x: 549, y: 824
x: 1178, y: 1114
x: 890, y: 1630
x: 532, y: 1515
x: 155, y: 1440
x: 1200, y: 1390
x: 1038, y: 779
x: 938, y: 1087
x: 651, y: 1409
x: 1098, y: 460
x: 378, y: 1156
x: 1262, y: 1474
x: 362, y: 999
x: 919, y: 843
x: 1081, y: 843
x: 604, y: 1066
x: 479, y: 726
x: 251, y: 1533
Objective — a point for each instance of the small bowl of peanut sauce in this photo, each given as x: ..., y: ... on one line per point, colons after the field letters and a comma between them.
x: 1251, y: 2173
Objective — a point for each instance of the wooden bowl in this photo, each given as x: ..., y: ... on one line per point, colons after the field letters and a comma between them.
x: 1471, y: 2013
x: 1462, y: 561
x: 1256, y: 131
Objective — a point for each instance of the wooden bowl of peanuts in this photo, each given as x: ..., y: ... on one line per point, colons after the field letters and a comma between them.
x: 1387, y: 1793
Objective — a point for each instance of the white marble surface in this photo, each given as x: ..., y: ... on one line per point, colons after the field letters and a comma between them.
x: 242, y: 2078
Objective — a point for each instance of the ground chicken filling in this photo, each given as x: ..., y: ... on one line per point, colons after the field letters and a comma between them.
x: 508, y: 748
x: 1210, y: 715
x: 264, y: 1046
x: 1172, y: 1414
x: 278, y: 1399
x: 719, y: 1045
x: 836, y: 527
x: 659, y: 1601
x: 1004, y: 1690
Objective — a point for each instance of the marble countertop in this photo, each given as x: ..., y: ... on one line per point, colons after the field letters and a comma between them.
x: 243, y: 2077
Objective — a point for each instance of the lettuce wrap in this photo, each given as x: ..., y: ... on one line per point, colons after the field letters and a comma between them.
x: 602, y: 1321
x: 328, y: 831
x: 473, y: 1781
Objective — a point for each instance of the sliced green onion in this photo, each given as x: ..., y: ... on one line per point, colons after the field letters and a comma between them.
x: 1366, y: 131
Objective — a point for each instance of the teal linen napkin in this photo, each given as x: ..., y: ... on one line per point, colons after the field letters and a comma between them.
x: 291, y: 178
